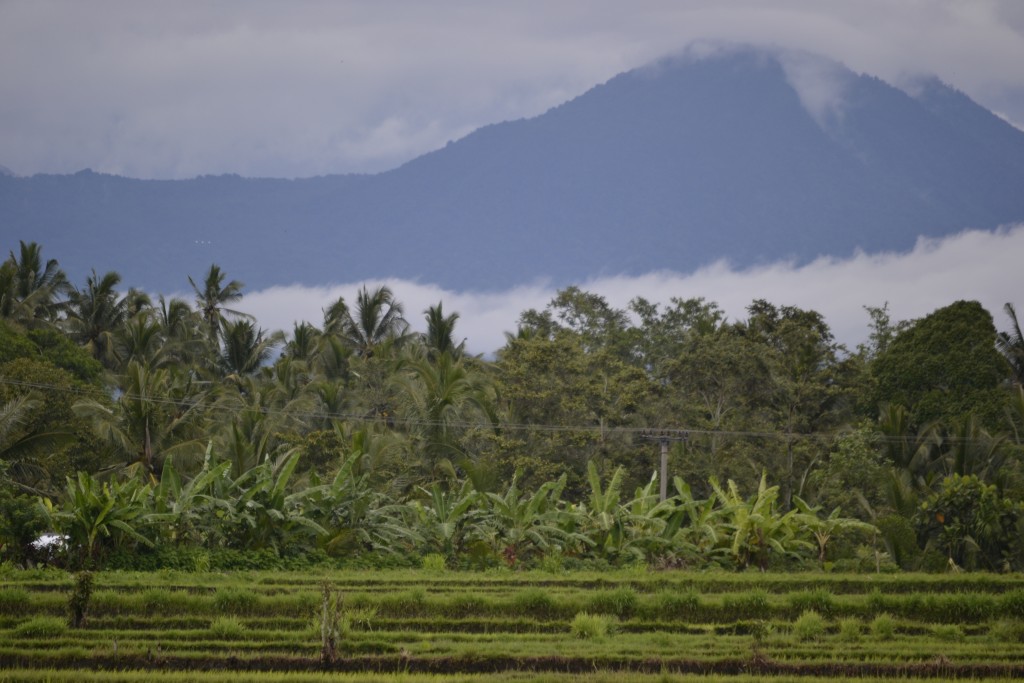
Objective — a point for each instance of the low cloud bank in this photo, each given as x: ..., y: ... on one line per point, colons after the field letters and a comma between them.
x: 978, y: 265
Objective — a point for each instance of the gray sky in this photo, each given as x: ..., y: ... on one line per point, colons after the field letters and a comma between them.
x: 306, y: 87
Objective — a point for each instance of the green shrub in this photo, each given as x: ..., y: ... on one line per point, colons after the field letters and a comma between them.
x: 957, y: 607
x: 1006, y: 631
x: 751, y: 604
x: 883, y: 627
x: 819, y: 600
x: 41, y: 627
x: 13, y: 600
x: 682, y: 604
x: 227, y: 627
x: 809, y: 626
x: 235, y: 600
x: 163, y: 601
x: 621, y: 601
x: 849, y: 629
x: 1011, y: 604
x: 553, y: 562
x: 535, y: 602
x: 433, y: 562
x: 949, y: 632
x: 586, y: 625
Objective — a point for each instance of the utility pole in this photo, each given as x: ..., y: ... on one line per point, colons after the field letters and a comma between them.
x: 664, y: 436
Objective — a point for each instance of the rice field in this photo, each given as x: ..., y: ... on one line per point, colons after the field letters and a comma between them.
x: 508, y: 626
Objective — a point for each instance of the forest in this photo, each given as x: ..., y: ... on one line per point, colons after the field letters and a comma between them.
x: 168, y: 433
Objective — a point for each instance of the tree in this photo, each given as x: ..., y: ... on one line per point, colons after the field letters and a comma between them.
x: 20, y: 442
x: 377, y: 319
x: 1011, y: 345
x: 31, y: 287
x: 96, y: 313
x: 945, y: 366
x: 588, y: 396
x: 153, y: 419
x: 973, y: 525
x: 806, y: 396
x: 439, y: 337
x: 245, y: 348
x: 438, y: 402
x: 213, y: 297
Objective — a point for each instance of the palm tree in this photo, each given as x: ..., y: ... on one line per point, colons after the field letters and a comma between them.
x: 32, y: 286
x: 19, y: 441
x: 96, y: 313
x: 212, y: 298
x: 141, y: 340
x: 304, y: 342
x: 440, y: 330
x: 377, y: 320
x: 154, y: 418
x: 441, y: 401
x: 1011, y: 345
x: 246, y: 347
x: 181, y: 329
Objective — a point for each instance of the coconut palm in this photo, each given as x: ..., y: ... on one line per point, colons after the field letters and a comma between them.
x: 439, y: 337
x: 377, y: 320
x: 141, y: 340
x: 154, y: 418
x: 31, y: 287
x: 439, y: 402
x: 19, y: 442
x: 181, y: 329
x: 213, y: 297
x: 95, y: 313
x: 1011, y: 345
x: 246, y: 348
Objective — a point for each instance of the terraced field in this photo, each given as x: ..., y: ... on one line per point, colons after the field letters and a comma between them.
x: 413, y: 626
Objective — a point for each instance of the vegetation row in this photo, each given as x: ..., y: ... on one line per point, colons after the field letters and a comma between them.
x: 152, y: 433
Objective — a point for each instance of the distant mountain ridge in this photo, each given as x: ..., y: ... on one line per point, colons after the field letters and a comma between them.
x: 748, y: 154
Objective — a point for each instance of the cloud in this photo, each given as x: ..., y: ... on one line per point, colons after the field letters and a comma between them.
x: 975, y: 265
x: 304, y: 88
x: 819, y: 83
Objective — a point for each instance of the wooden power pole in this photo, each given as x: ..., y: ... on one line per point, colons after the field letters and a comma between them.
x: 664, y: 437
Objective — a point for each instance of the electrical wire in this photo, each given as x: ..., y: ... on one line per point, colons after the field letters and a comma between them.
x: 654, y: 433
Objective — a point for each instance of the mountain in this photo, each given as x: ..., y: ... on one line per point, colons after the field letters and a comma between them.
x: 747, y: 154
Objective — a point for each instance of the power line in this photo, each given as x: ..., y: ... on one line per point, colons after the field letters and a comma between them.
x: 652, y: 433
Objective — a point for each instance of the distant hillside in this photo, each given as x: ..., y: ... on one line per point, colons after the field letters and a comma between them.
x: 667, y: 167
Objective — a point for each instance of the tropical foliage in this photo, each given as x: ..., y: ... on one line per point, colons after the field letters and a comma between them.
x: 141, y: 429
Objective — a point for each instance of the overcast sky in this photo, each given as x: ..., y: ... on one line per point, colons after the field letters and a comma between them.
x: 308, y: 87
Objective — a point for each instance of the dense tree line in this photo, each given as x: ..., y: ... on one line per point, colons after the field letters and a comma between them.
x: 142, y: 428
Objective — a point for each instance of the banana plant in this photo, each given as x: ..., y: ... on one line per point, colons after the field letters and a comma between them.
x: 521, y: 525
x: 182, y: 508
x: 98, y: 514
x: 354, y: 516
x: 756, y: 525
x: 702, y: 525
x: 825, y: 529
x: 265, y: 513
x: 446, y: 518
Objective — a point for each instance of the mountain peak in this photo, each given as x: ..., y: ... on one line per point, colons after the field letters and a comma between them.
x: 747, y: 153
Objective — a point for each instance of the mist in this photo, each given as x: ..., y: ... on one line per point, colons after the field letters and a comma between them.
x: 973, y: 265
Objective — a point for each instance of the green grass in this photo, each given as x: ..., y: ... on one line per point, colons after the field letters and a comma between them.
x: 155, y: 626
